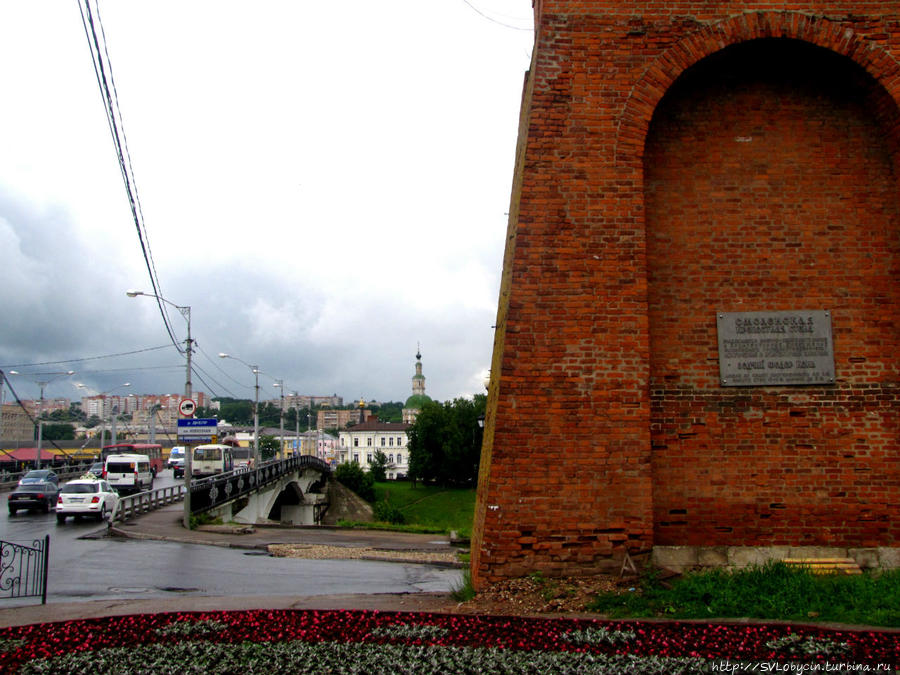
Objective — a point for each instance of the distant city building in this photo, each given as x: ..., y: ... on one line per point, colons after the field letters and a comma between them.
x: 164, y: 405
x: 104, y: 405
x: 415, y: 402
x: 51, y: 404
x: 300, y: 401
x: 339, y: 419
x: 360, y: 442
x: 15, y: 423
x: 318, y: 444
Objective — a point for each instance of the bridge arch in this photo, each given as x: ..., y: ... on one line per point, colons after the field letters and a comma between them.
x: 296, y: 481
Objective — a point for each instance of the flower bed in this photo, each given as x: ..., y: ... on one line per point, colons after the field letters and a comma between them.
x: 307, y: 641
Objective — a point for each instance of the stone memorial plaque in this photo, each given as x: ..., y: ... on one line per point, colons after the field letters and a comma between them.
x: 765, y: 349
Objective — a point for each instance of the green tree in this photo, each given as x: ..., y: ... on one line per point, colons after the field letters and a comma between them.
x: 379, y: 466
x: 73, y: 414
x: 445, y: 441
x: 391, y: 411
x: 269, y: 415
x: 351, y: 475
x: 268, y: 447
x: 58, y: 432
x: 235, y: 410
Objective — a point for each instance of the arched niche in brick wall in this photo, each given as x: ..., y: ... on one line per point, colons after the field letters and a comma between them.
x: 769, y: 173
x: 842, y: 37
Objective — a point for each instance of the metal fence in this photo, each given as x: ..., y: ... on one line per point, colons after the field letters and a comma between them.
x: 23, y: 569
x: 142, y: 502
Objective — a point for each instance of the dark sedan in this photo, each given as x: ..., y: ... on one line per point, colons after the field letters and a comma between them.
x: 37, y: 476
x: 33, y: 496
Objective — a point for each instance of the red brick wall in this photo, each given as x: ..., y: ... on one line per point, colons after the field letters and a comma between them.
x: 617, y: 260
x: 768, y: 185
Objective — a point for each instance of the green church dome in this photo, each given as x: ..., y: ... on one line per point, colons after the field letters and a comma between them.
x: 416, y: 401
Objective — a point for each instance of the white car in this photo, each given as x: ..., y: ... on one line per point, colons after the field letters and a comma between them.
x: 86, y: 497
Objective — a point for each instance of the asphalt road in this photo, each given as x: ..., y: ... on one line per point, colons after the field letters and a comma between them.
x: 84, y: 565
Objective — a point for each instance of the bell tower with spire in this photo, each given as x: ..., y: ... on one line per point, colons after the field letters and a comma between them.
x: 414, y: 403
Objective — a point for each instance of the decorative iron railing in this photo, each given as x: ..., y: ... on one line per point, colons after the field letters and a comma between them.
x: 215, y: 491
x: 207, y: 493
x: 23, y: 569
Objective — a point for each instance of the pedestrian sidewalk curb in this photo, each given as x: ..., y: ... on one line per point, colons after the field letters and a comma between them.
x: 114, y: 531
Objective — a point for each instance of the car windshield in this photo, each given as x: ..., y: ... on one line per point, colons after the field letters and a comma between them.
x: 74, y: 488
x: 120, y: 467
x: 34, y: 487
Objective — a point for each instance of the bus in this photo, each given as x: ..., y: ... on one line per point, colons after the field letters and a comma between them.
x: 243, y: 457
x: 209, y: 460
x: 152, y: 450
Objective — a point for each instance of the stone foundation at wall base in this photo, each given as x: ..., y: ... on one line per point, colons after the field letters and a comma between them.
x: 683, y: 558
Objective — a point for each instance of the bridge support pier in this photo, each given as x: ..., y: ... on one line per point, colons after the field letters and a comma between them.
x: 260, y: 504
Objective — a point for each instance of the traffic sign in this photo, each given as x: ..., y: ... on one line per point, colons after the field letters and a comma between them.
x: 187, y: 407
x: 202, y: 429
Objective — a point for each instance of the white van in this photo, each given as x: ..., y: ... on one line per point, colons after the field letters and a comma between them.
x: 176, y: 461
x: 129, y: 473
x: 175, y: 454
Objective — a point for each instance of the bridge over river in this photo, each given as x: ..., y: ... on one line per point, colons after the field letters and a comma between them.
x: 290, y: 491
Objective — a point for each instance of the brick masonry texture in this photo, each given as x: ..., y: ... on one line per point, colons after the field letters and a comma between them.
x: 676, y: 159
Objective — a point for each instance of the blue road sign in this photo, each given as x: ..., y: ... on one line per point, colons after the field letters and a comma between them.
x: 197, y: 429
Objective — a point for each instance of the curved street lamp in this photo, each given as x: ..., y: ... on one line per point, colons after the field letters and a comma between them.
x: 43, y: 382
x: 186, y: 313
x: 255, y: 370
x: 46, y: 379
x: 188, y: 393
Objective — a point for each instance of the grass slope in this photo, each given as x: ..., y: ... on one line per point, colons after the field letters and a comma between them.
x: 443, y: 509
x: 773, y: 591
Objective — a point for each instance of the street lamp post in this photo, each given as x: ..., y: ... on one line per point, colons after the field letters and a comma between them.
x: 280, y: 385
x: 188, y: 391
x: 255, y: 370
x: 186, y: 313
x: 151, y: 423
x: 42, y: 383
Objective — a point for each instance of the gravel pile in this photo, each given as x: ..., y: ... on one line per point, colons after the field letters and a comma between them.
x: 361, y: 553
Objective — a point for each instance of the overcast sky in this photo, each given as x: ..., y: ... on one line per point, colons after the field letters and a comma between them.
x: 325, y: 184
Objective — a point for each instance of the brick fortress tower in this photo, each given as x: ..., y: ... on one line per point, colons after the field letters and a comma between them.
x: 698, y: 342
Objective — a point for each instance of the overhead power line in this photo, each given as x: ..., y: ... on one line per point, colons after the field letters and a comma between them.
x: 106, y: 83
x: 493, y: 20
x: 86, y: 358
x: 21, y: 405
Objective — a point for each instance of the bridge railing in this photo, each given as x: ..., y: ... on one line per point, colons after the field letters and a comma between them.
x: 23, y: 569
x: 207, y: 493
x: 215, y: 491
x: 142, y: 502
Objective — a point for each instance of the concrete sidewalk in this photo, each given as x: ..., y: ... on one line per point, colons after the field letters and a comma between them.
x: 399, y: 602
x: 165, y: 525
